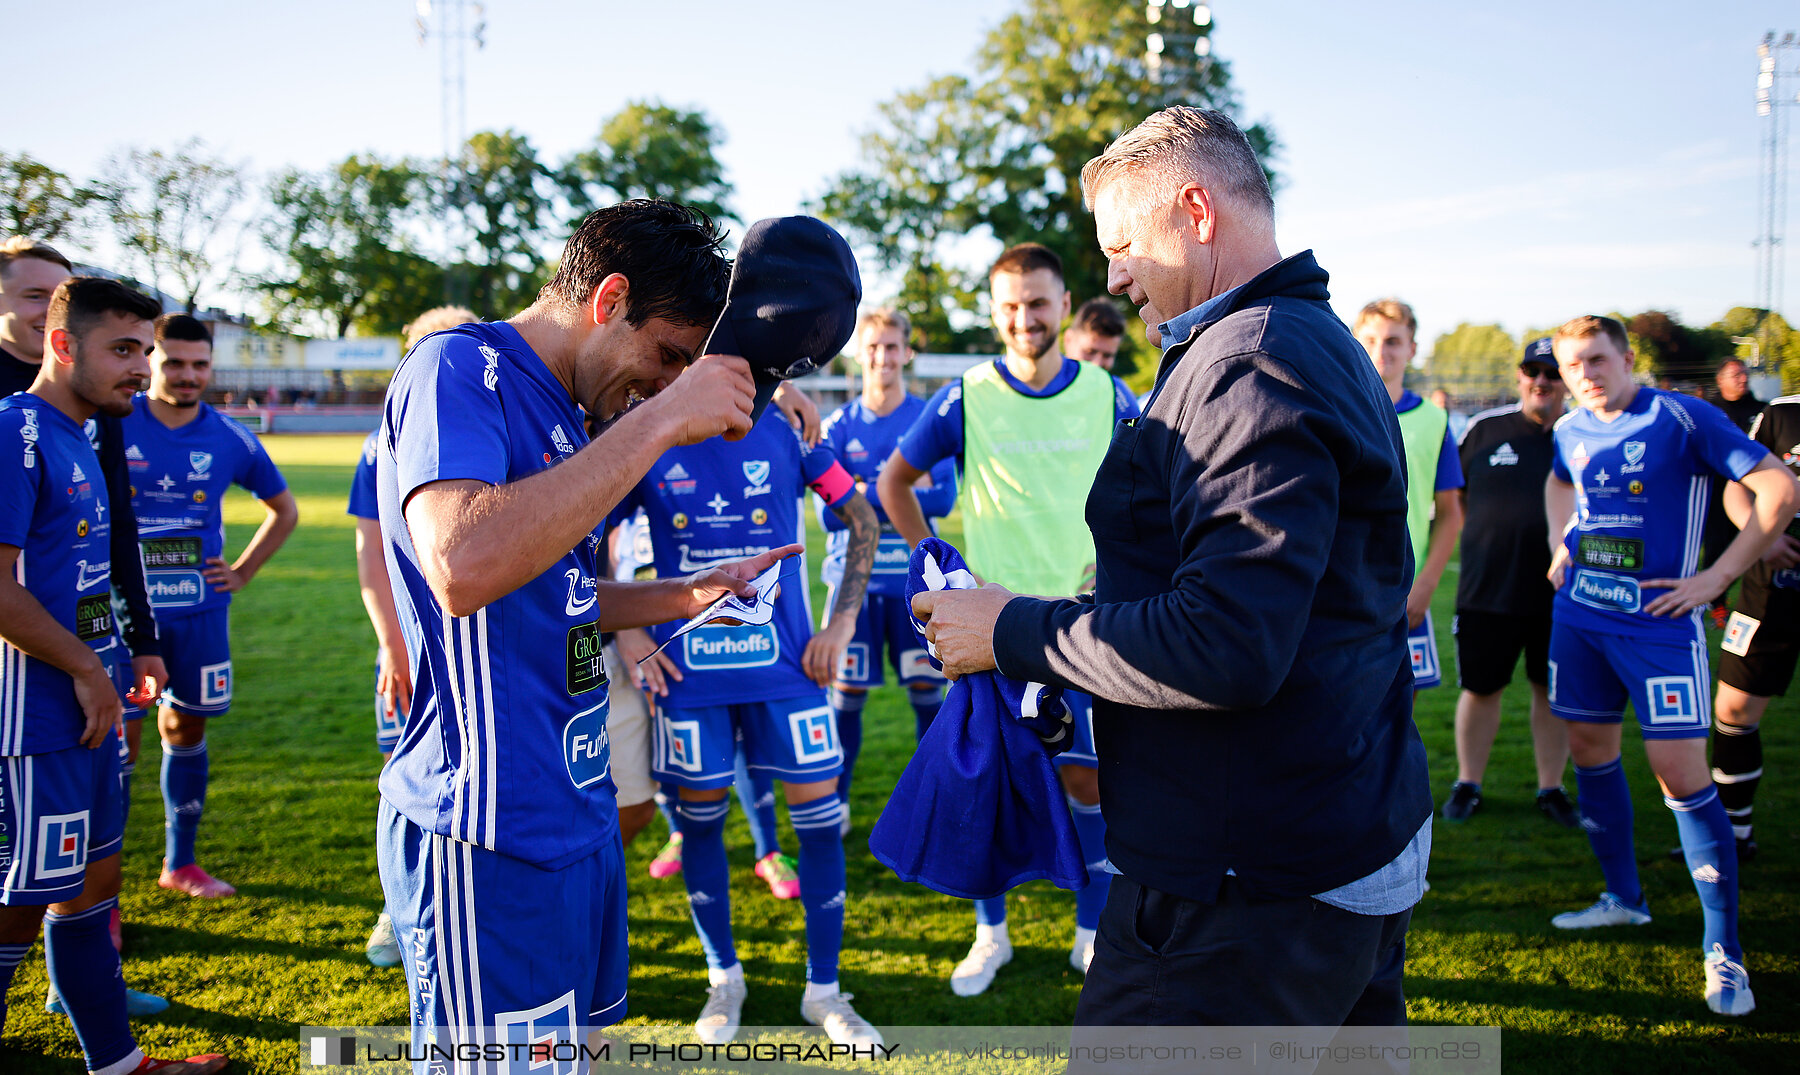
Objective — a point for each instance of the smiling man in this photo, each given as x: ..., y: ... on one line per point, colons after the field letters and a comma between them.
x: 60, y: 709
x: 184, y: 456
x: 1626, y: 507
x: 1264, y: 787
x: 498, y: 837
x: 1027, y: 432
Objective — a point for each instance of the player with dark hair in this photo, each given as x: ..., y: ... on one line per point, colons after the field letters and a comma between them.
x: 60, y: 711
x: 1027, y: 432
x: 498, y: 837
x: 1095, y: 333
x: 29, y: 273
x: 1626, y: 508
x: 184, y: 456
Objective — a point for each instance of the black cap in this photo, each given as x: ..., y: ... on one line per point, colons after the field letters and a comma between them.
x: 791, y: 304
x: 1538, y: 353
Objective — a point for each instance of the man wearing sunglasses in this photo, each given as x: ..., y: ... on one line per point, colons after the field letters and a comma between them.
x: 1502, y: 596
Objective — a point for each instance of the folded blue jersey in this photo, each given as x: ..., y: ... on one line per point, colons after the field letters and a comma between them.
x: 979, y: 809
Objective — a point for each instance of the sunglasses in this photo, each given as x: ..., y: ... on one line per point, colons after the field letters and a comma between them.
x: 1535, y: 371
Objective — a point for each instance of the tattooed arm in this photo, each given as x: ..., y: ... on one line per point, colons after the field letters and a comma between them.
x: 826, y: 649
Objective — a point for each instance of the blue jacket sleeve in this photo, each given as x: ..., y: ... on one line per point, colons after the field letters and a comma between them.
x: 1253, y: 495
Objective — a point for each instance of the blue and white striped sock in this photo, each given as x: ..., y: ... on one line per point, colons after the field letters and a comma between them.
x: 1711, y: 852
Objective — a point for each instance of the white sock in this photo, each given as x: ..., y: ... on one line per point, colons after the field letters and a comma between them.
x: 997, y: 934
x: 820, y: 990
x: 126, y: 1063
x: 1084, y: 939
x: 733, y: 973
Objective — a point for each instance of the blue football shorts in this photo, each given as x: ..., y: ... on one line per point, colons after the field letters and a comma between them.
x: 59, y: 811
x: 197, y: 650
x: 794, y: 740
x: 491, y: 941
x: 1666, y: 680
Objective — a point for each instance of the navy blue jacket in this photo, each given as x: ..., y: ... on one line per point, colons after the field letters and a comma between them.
x: 1246, y: 646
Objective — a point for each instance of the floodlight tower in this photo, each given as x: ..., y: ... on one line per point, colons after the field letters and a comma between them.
x: 450, y: 22
x: 1772, y: 102
x: 1180, y: 35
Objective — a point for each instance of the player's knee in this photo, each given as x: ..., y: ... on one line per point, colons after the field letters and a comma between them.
x: 179, y: 728
x: 19, y: 925
x: 634, y: 817
x: 1082, y: 783
x: 703, y: 795
x: 801, y: 794
x: 1737, y: 709
x: 100, y: 882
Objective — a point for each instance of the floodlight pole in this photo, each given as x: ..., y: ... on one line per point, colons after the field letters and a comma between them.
x: 449, y: 22
x: 1772, y: 103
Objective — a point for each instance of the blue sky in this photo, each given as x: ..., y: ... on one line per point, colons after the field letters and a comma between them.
x: 1517, y: 162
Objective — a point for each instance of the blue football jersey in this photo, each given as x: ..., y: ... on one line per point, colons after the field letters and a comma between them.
x: 363, y: 502
x: 506, y: 744
x: 723, y: 500
x: 1642, y: 484
x: 179, y: 478
x: 862, y: 441
x: 55, y: 515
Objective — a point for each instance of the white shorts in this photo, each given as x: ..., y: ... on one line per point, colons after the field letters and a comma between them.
x: 628, y: 728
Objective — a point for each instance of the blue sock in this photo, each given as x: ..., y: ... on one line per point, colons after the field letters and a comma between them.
x: 1711, y: 851
x: 925, y: 701
x: 821, y: 883
x: 847, y: 709
x: 127, y: 769
x: 10, y: 957
x: 184, y: 800
x: 756, y: 794
x: 665, y: 804
x: 1606, y: 815
x: 991, y: 912
x: 85, y: 970
x: 708, y: 877
x: 1090, y: 829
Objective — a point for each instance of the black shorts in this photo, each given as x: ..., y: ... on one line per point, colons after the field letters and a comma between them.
x: 1488, y: 646
x: 1762, y: 638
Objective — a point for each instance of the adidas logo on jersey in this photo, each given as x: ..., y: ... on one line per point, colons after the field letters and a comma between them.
x: 561, y: 440
x: 132, y: 452
x: 855, y: 446
x: 1504, y: 456
x: 78, y: 476
x: 1707, y: 874
x: 675, y: 473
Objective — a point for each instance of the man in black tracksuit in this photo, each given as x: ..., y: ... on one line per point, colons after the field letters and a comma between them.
x: 1246, y: 645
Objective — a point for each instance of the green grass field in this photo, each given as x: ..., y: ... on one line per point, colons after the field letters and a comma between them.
x: 290, y: 821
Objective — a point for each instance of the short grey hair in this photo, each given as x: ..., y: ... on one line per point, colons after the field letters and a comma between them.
x: 1180, y: 145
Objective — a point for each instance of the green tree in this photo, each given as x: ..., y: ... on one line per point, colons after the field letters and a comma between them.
x: 1474, y: 362
x: 171, y: 212
x: 1002, y: 152
x: 920, y: 192
x: 649, y: 150
x: 502, y: 193
x: 41, y: 202
x: 344, y: 245
x: 1771, y: 344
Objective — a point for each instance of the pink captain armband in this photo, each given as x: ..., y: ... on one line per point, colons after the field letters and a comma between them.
x: 833, y: 485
